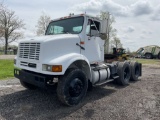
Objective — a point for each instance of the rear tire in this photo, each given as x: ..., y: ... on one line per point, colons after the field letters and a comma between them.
x: 72, y: 87
x: 27, y: 85
x: 135, y: 71
x: 124, y: 73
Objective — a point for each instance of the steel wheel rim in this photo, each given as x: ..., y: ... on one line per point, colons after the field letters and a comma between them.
x: 75, y: 87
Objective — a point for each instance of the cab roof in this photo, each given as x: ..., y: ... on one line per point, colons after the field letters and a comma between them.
x: 72, y: 16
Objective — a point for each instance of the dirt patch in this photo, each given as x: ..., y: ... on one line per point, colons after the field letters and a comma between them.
x: 151, y: 66
x: 138, y: 101
x: 7, y: 56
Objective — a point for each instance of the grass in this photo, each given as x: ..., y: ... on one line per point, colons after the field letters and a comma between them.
x: 149, y: 61
x: 6, y: 69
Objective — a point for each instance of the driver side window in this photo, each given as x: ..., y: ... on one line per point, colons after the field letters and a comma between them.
x: 93, y: 28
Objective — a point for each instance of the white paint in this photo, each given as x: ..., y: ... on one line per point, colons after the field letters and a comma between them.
x: 62, y: 50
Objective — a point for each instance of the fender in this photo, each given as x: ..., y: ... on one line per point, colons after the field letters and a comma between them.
x: 66, y: 60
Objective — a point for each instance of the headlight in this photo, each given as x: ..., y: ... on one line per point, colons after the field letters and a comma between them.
x: 52, y: 68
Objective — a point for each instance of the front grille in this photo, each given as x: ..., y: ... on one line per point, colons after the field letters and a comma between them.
x: 29, y: 50
x: 32, y: 65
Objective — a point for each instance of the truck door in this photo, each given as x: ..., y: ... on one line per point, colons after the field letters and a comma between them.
x: 94, y: 45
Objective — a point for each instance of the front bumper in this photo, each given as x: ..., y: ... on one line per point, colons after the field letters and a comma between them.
x: 36, y: 79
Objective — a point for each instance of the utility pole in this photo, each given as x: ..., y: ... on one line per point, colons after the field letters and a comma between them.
x: 108, y: 26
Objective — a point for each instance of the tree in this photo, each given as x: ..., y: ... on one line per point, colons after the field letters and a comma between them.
x: 42, y: 24
x: 9, y: 26
x: 111, y: 31
x: 116, y: 42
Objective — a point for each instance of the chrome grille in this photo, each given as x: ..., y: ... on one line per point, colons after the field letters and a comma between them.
x: 29, y: 50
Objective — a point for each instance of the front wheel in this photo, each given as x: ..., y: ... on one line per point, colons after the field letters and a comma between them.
x: 72, y: 87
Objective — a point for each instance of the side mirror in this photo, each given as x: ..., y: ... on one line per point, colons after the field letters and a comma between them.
x: 104, y: 26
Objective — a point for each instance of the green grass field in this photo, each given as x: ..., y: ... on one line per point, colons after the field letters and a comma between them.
x: 149, y: 61
x: 6, y: 69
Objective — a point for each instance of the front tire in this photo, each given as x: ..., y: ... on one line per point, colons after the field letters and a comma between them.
x: 72, y: 87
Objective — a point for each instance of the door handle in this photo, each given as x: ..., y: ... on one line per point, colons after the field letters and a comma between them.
x: 80, y: 46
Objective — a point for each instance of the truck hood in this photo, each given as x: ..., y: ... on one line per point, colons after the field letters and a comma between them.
x: 47, y: 38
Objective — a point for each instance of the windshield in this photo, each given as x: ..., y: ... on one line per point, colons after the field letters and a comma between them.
x: 66, y: 26
x: 140, y: 51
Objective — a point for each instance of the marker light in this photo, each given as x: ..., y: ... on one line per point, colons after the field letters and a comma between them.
x: 57, y: 68
x: 52, y: 68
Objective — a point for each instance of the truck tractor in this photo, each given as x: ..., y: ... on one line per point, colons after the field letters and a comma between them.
x: 148, y: 52
x: 70, y: 57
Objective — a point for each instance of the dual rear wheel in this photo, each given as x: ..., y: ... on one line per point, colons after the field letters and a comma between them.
x: 127, y: 71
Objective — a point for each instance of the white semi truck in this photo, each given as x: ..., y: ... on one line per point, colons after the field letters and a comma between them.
x: 71, y: 55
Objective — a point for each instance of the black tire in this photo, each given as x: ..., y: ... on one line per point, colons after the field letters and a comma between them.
x: 72, y: 87
x: 27, y: 85
x: 159, y: 55
x: 135, y: 71
x: 148, y: 56
x: 90, y: 86
x: 124, y: 73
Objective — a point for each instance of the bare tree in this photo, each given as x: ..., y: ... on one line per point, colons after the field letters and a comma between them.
x: 111, y: 31
x: 1, y: 7
x: 116, y: 42
x: 42, y: 24
x: 9, y: 26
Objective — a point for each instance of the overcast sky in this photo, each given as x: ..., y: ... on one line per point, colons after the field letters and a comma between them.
x: 137, y: 21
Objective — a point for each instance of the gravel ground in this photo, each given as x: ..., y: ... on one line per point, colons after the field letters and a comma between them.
x: 138, y: 101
